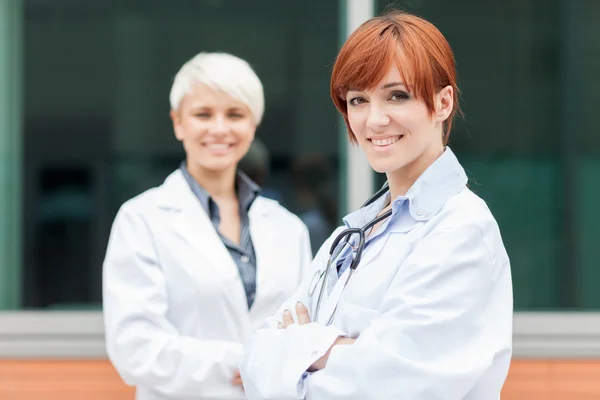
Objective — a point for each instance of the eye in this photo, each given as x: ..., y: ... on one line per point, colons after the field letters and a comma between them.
x: 236, y: 116
x: 203, y: 115
x: 399, y: 96
x: 356, y: 101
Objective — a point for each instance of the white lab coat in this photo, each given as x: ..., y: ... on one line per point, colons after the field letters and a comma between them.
x: 430, y: 305
x: 175, y: 309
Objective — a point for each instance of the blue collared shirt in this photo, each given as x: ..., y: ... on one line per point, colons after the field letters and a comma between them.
x: 243, y: 254
x: 420, y: 203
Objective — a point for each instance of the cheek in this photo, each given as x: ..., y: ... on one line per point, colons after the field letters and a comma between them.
x: 245, y: 131
x: 192, y: 129
x: 415, y: 123
x: 357, y: 123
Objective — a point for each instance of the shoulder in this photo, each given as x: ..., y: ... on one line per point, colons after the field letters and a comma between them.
x: 278, y: 212
x: 142, y: 203
x: 468, y: 215
x: 466, y: 209
x: 166, y: 195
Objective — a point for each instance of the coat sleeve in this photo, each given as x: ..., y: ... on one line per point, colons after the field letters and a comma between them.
x: 432, y: 338
x: 144, y: 347
x: 274, y: 361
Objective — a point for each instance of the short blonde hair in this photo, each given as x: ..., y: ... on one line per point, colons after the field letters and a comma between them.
x: 221, y: 72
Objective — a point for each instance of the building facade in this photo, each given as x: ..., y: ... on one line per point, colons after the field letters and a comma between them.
x: 84, y: 126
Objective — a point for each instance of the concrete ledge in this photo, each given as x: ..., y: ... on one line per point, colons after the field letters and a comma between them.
x: 50, y: 334
x: 556, y: 335
x: 80, y: 335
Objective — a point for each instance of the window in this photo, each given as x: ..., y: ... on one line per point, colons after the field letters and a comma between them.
x: 529, y: 141
x: 97, y: 131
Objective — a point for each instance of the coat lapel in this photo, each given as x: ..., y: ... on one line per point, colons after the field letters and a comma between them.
x: 402, y: 226
x: 192, y: 224
x: 263, y: 229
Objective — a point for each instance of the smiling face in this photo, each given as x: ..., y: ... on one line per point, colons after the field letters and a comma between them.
x: 215, y: 129
x: 395, y: 129
x: 394, y: 82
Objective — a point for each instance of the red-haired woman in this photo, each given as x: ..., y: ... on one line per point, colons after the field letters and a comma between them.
x: 412, y: 297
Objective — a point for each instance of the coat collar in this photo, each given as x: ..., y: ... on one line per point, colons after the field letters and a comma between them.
x: 247, y: 190
x: 444, y: 178
x: 175, y: 194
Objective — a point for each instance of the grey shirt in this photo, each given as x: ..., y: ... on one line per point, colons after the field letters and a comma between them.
x: 243, y: 254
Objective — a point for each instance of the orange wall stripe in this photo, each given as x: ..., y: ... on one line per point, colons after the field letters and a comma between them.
x: 97, y: 380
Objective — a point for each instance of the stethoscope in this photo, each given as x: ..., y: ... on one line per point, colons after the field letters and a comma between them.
x: 321, y: 276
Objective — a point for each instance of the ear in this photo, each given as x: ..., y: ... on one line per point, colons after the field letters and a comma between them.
x: 444, y: 103
x: 176, y: 118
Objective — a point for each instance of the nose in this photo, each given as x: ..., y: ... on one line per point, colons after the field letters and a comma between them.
x: 219, y: 125
x: 377, y: 117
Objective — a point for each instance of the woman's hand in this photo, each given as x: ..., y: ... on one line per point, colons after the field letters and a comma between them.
x: 237, y: 379
x: 322, y: 362
x: 288, y: 319
x: 303, y: 318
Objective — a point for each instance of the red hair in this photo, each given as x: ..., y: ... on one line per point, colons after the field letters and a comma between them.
x: 423, y: 56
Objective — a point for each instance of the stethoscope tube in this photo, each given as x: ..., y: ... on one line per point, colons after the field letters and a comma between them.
x: 362, y: 239
x: 384, y: 189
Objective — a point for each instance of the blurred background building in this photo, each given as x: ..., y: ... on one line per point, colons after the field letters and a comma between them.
x: 84, y: 126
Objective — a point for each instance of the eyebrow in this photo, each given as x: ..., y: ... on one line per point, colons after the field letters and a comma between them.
x: 392, y: 84
x: 205, y: 107
x: 383, y: 87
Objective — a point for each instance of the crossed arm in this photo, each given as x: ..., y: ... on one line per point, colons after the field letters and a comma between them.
x: 304, y: 318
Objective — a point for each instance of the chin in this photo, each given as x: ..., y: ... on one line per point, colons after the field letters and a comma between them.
x: 217, y: 165
x: 383, y: 168
x: 220, y: 166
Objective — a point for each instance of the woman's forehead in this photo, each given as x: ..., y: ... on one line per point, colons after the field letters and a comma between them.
x: 391, y: 77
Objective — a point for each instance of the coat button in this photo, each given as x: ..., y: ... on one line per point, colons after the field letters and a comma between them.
x: 420, y: 213
x: 245, y: 259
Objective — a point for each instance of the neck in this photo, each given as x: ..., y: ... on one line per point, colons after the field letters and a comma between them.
x: 400, y: 181
x: 219, y: 184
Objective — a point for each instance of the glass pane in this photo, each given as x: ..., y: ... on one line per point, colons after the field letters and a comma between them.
x: 11, y: 202
x: 585, y: 114
x: 97, y: 129
x: 528, y: 142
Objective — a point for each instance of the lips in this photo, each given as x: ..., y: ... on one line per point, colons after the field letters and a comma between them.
x: 387, y: 141
x: 217, y: 148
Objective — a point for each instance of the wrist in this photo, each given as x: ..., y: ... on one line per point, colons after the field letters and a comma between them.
x: 322, y: 361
